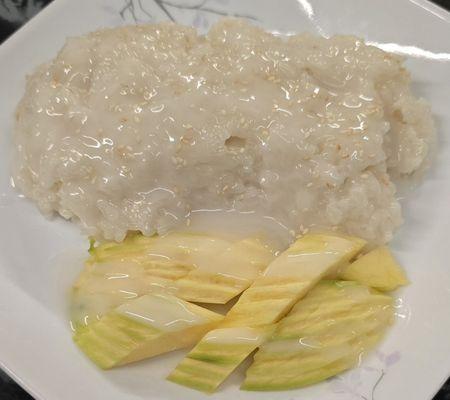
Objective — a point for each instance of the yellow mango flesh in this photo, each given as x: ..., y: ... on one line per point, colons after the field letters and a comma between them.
x: 377, y: 269
x: 288, y: 278
x: 324, y: 334
x: 121, y: 337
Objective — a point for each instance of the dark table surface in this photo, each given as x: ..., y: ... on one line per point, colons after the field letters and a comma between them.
x: 13, y: 14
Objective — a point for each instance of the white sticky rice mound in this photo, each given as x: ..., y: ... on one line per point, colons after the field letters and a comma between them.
x: 134, y: 128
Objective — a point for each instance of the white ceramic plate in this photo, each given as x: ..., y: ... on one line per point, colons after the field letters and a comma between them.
x: 35, y: 341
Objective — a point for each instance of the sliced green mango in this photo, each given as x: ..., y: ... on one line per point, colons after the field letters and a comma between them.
x: 216, y: 356
x: 117, y: 272
x: 147, y: 326
x: 199, y: 267
x: 288, y: 278
x: 185, y: 249
x: 103, y: 286
x: 229, y: 273
x: 377, y: 269
x: 326, y: 333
